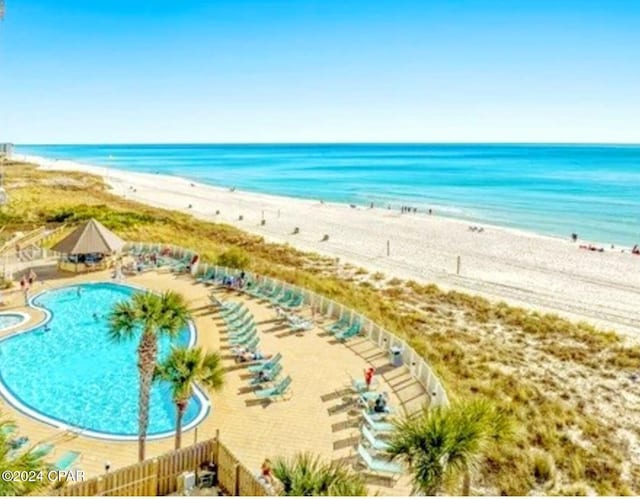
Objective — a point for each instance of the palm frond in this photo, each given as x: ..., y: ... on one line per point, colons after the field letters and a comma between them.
x: 305, y: 474
x: 123, y: 322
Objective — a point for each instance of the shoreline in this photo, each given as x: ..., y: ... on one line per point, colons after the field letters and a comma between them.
x: 522, y: 268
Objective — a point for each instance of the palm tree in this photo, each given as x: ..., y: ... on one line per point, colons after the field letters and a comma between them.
x: 443, y: 443
x: 184, y: 367
x: 29, y: 462
x: 306, y: 475
x: 156, y: 315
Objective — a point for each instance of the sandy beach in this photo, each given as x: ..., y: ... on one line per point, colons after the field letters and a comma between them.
x: 520, y: 268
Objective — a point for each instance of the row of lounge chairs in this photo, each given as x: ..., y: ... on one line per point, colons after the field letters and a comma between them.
x: 343, y: 329
x: 373, y: 446
x: 243, y: 336
x: 277, y: 295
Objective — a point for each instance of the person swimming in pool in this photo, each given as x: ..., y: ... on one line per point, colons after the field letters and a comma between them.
x: 79, y: 291
x: 96, y: 316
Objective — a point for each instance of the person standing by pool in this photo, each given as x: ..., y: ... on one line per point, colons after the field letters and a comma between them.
x: 32, y: 277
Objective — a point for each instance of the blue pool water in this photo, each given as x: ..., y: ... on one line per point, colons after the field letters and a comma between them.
x: 551, y: 189
x: 72, y: 373
x: 8, y: 320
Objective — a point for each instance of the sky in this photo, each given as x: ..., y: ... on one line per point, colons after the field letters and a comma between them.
x: 220, y: 71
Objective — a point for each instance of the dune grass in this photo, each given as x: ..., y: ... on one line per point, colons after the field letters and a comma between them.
x: 551, y: 375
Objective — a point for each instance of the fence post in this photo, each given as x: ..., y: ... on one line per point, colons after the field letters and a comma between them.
x: 458, y: 265
x: 99, y: 486
x: 236, y: 480
x: 217, y: 450
x: 388, y: 247
x: 154, y: 483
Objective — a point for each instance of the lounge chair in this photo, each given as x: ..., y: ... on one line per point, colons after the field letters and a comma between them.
x: 42, y: 450
x: 260, y: 291
x: 375, y: 442
x: 377, y: 426
x: 67, y: 460
x: 208, y: 276
x: 281, y: 300
x: 248, y: 330
x: 241, y: 327
x: 276, y: 391
x: 180, y: 265
x: 243, y: 340
x: 299, y: 324
x: 359, y: 385
x: 269, y: 295
x: 377, y: 464
x: 257, y: 291
x: 338, y: 326
x: 295, y: 302
x: 247, y: 347
x: 230, y: 311
x: 224, y: 306
x: 9, y: 428
x: 239, y: 319
x: 266, y: 364
x: 237, y: 329
x: 367, y: 396
x: 354, y: 330
x: 270, y: 374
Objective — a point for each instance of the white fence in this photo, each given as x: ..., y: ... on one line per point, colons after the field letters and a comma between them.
x: 418, y: 367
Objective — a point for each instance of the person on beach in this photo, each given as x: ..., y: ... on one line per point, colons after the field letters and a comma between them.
x: 32, y: 277
x: 574, y: 237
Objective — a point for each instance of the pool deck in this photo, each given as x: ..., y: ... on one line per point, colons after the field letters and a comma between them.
x: 318, y: 416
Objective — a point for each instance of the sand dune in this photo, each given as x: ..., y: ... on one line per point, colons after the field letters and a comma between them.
x: 520, y: 268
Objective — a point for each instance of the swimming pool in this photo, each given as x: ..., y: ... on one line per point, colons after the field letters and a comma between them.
x: 12, y: 319
x: 67, y: 372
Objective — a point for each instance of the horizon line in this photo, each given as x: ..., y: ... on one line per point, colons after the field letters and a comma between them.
x: 329, y: 143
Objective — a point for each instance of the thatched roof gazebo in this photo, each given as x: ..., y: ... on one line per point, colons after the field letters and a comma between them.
x: 88, y: 247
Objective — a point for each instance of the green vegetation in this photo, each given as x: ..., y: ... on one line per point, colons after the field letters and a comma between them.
x: 181, y: 369
x: 25, y: 464
x: 443, y: 443
x: 234, y: 258
x: 155, y: 315
x: 306, y: 475
x: 548, y: 374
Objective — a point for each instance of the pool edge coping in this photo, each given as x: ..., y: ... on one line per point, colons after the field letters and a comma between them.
x: 33, y: 413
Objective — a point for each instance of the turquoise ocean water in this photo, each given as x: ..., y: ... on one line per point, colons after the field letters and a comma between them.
x: 593, y: 190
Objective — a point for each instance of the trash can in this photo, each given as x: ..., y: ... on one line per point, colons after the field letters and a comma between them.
x: 396, y: 356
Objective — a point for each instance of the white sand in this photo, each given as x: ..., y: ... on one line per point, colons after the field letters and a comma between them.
x: 517, y: 267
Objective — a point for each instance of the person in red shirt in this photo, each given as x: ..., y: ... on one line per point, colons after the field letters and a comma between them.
x: 368, y: 376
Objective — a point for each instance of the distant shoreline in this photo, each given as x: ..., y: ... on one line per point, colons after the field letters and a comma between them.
x: 523, y: 268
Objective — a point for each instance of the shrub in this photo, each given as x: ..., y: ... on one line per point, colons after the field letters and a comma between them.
x: 234, y: 258
x: 543, y: 467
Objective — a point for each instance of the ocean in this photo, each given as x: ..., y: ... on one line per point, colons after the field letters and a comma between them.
x: 592, y: 190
